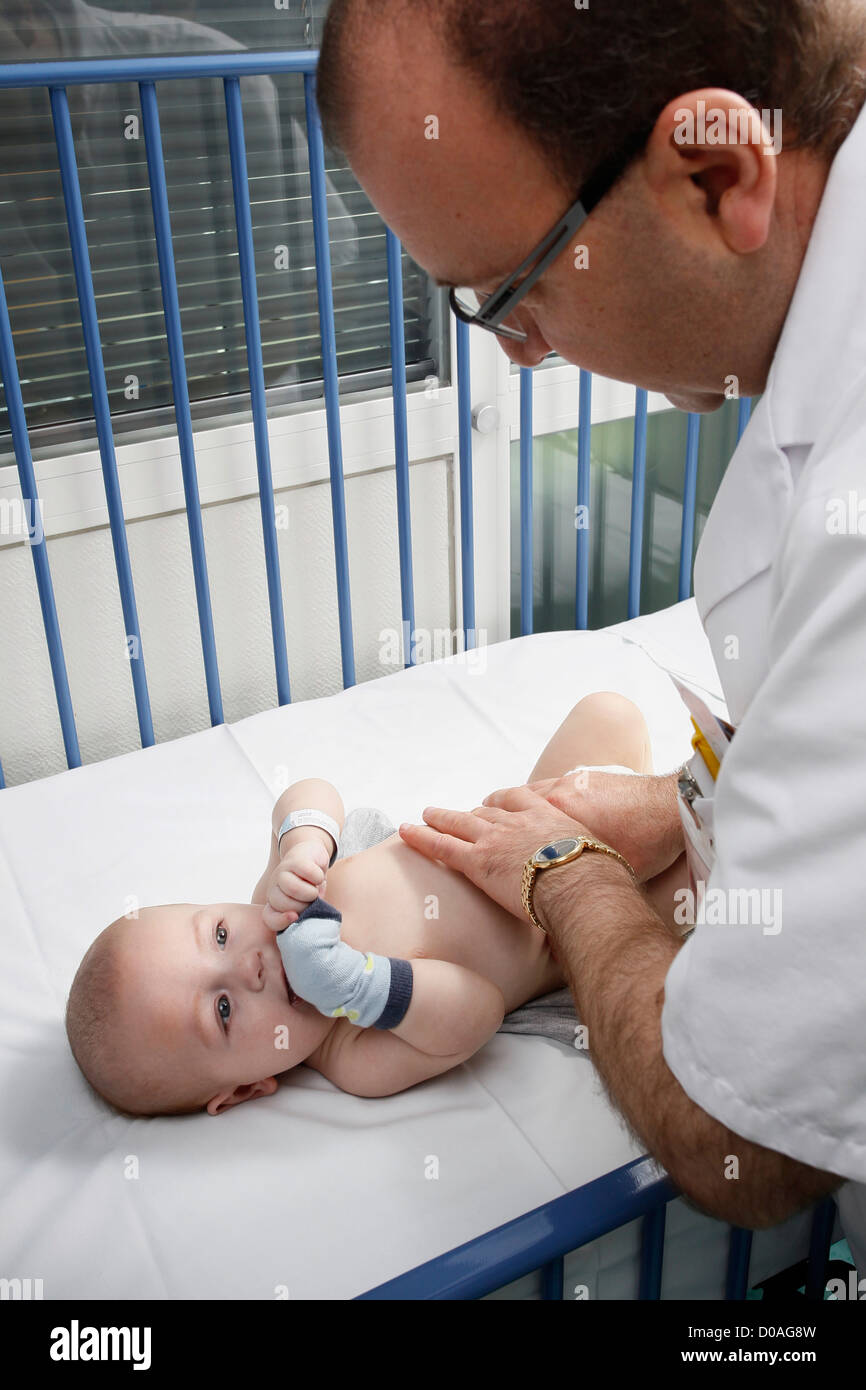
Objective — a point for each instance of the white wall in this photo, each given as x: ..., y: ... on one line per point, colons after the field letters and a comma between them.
x: 92, y: 628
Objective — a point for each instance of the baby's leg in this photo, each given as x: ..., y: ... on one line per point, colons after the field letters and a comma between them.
x: 661, y: 892
x: 602, y: 729
x: 609, y: 729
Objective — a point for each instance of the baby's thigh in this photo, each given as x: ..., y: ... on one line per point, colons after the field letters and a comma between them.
x: 662, y: 889
x: 603, y: 729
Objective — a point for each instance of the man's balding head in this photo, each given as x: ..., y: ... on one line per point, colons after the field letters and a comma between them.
x: 472, y: 124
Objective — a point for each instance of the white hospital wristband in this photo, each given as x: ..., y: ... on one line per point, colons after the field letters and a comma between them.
x: 317, y: 818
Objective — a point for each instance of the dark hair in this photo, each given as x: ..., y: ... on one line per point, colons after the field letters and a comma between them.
x: 582, y: 82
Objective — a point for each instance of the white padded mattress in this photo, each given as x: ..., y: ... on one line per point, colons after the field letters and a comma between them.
x: 310, y: 1191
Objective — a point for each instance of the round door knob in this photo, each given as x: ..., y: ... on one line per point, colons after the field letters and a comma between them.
x: 485, y: 419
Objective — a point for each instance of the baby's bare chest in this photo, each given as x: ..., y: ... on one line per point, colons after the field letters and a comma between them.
x: 395, y: 902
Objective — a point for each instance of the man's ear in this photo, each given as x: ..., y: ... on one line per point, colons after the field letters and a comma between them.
x: 712, y: 165
x: 226, y: 1099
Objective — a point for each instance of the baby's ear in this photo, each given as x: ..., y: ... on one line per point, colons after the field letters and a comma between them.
x: 226, y: 1099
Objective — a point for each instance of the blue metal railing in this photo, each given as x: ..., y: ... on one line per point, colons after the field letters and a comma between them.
x: 101, y: 406
x: 180, y: 388
x: 332, y: 381
x: 467, y: 527
x: 401, y: 440
x: 584, y: 482
x: 539, y: 1239
x: 638, y: 504
x: 255, y: 364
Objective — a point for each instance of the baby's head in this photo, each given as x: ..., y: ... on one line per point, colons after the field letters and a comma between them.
x: 186, y: 1007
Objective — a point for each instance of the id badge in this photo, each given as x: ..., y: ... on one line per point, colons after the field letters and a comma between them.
x: 697, y: 785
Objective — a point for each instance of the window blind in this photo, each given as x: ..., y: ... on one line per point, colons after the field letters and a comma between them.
x: 110, y: 147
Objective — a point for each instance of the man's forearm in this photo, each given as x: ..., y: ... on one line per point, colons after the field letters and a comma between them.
x: 616, y: 953
x: 664, y: 802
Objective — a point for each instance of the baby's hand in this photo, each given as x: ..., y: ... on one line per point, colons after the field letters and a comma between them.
x: 297, y: 881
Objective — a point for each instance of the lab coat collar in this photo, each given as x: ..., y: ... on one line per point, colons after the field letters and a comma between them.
x: 823, y: 343
x: 744, y: 528
x: 821, y: 349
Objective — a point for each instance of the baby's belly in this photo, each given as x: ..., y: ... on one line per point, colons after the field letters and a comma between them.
x: 397, y: 903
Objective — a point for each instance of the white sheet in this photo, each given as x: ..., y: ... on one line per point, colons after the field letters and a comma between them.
x: 311, y: 1189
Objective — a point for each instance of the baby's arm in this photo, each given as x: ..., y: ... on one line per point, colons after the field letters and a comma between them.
x: 433, y: 1009
x: 311, y: 794
x: 452, y: 1008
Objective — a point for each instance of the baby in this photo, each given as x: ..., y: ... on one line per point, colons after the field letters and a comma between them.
x: 379, y: 970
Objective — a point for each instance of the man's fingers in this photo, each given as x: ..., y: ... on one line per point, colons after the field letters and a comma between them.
x: 463, y: 825
x: 494, y: 799
x: 434, y: 845
x: 513, y: 799
x: 544, y: 787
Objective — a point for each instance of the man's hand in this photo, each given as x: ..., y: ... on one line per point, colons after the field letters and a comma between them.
x: 491, y: 844
x: 299, y: 878
x: 638, y: 816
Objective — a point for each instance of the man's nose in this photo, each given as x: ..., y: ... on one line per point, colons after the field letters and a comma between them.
x: 530, y: 353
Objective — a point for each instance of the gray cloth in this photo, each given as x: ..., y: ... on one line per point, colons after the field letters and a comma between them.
x: 362, y: 829
x: 550, y: 1016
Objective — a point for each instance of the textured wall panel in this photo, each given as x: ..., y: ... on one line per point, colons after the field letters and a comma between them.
x: 92, y: 628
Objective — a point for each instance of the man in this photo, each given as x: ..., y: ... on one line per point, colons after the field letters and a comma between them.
x: 722, y: 256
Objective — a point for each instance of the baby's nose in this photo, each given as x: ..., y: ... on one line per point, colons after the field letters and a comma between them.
x: 252, y: 967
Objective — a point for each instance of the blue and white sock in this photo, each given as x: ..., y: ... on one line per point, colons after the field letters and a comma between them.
x: 371, y: 991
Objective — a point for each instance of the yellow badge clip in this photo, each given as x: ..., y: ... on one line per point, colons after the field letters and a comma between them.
x: 700, y: 745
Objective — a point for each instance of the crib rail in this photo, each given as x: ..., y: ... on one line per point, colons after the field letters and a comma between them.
x: 542, y: 1237
x: 230, y: 68
x: 539, y: 1240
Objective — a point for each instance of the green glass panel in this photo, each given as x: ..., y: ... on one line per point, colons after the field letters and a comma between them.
x: 555, y: 518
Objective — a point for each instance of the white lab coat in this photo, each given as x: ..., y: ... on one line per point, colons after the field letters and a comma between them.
x: 765, y: 1029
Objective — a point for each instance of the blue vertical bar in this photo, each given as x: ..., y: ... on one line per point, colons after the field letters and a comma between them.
x: 652, y: 1253
x: 553, y: 1273
x: 584, y: 480
x: 690, y: 499
x: 744, y: 416
x: 401, y: 440
x: 819, y: 1249
x: 324, y: 288
x: 739, y: 1257
x: 527, y: 554
x: 177, y: 361
x: 39, y: 550
x: 467, y: 525
x: 101, y: 407
x: 638, y: 504
x: 249, y: 291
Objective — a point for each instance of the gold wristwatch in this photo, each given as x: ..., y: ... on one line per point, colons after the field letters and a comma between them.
x: 552, y: 856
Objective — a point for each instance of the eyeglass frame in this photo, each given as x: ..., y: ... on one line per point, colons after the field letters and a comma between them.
x: 504, y: 300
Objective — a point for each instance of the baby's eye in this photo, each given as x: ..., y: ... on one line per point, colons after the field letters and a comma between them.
x: 222, y: 935
x: 224, y: 1008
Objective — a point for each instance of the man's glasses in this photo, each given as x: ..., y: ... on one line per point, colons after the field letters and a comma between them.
x: 489, y: 311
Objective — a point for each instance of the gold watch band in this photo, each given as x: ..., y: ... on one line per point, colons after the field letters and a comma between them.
x: 531, y: 871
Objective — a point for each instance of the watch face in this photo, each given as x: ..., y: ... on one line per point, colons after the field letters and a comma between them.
x: 558, y: 850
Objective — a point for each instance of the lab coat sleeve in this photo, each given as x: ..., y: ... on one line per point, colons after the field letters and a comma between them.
x: 764, y: 1025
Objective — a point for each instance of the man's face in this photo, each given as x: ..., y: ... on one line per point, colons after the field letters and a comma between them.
x: 652, y: 308
x: 206, y: 995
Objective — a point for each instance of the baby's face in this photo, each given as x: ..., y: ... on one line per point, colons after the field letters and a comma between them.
x: 205, y: 992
